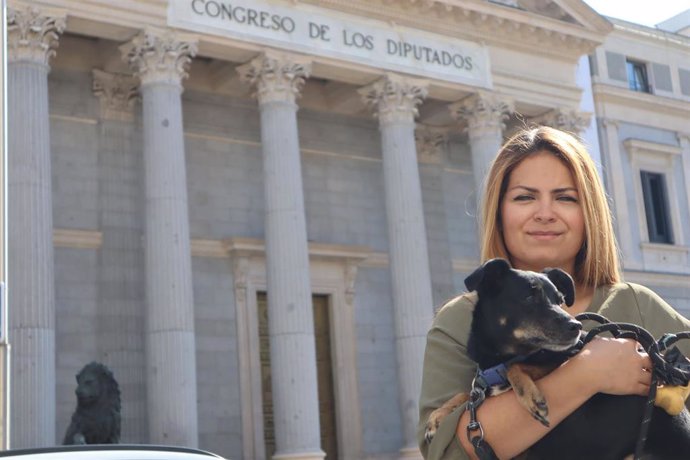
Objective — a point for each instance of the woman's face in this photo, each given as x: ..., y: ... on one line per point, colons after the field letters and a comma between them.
x: 542, y: 221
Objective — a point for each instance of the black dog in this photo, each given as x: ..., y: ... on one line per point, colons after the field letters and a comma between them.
x: 518, y: 314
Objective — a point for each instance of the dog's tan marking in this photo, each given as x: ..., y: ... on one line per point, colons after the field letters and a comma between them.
x: 520, y: 333
x: 528, y: 394
x: 525, y: 333
x: 502, y: 321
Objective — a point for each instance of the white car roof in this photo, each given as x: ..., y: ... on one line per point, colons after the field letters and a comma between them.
x: 110, y: 452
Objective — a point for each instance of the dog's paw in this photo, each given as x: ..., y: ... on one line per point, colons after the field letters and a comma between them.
x: 539, y: 409
x: 437, y: 416
x: 433, y: 423
x: 429, y: 433
x: 529, y: 395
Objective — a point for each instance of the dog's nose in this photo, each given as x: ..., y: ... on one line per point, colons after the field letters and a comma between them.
x: 574, y: 325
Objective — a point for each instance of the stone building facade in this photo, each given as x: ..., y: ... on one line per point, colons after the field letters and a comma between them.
x: 249, y: 210
x: 641, y: 90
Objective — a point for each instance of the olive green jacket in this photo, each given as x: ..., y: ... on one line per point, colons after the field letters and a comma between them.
x: 448, y: 370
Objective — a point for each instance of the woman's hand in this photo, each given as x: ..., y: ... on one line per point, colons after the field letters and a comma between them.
x: 616, y: 366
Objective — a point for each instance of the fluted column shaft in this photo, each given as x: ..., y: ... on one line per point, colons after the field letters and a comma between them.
x: 32, y: 38
x: 484, y: 114
x: 290, y: 316
x: 159, y: 60
x: 395, y: 100
x: 121, y: 265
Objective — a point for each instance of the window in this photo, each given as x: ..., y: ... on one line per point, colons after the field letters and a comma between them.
x: 658, y: 187
x: 656, y: 207
x: 637, y: 76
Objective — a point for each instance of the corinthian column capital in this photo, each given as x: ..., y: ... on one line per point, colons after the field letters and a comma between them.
x: 430, y: 143
x: 483, y: 112
x: 117, y: 92
x: 159, y: 56
x: 395, y: 98
x: 277, y: 77
x: 570, y: 120
x: 31, y: 35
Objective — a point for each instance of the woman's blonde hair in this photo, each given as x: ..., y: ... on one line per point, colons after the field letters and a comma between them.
x: 597, y: 261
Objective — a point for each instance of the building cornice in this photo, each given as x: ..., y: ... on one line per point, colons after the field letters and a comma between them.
x: 509, y: 26
x: 118, y: 21
x: 654, y: 279
x: 666, y: 106
x: 479, y: 20
x: 637, y: 145
x: 249, y: 247
x: 650, y: 34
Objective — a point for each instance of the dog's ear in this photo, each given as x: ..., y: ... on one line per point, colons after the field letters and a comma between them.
x: 563, y: 282
x: 490, y: 271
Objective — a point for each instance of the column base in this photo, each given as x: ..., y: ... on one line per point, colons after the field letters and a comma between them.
x: 318, y: 455
x: 410, y: 453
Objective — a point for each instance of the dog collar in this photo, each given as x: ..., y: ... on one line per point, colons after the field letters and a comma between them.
x: 493, y: 376
x: 498, y: 375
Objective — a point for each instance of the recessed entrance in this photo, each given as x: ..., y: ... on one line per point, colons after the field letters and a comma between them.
x: 324, y: 369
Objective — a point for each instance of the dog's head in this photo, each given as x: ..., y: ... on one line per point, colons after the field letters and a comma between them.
x: 521, y: 311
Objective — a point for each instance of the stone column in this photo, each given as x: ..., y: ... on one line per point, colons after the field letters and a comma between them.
x: 159, y: 59
x: 121, y: 267
x: 569, y: 120
x: 484, y: 114
x: 432, y: 145
x: 32, y: 38
x: 684, y: 142
x: 395, y: 100
x: 615, y: 185
x: 277, y: 79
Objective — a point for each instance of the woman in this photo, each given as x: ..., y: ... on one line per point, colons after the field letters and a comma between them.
x: 544, y: 206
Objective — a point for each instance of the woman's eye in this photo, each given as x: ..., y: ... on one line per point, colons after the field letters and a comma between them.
x: 568, y: 198
x: 522, y: 198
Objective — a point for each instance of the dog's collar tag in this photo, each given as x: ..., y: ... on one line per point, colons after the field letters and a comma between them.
x: 494, y: 376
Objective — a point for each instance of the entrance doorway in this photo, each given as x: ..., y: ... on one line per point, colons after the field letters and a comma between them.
x: 324, y: 370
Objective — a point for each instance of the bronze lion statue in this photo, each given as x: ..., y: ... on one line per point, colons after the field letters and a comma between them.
x: 97, y: 417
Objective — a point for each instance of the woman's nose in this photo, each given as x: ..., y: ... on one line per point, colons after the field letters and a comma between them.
x: 544, y: 212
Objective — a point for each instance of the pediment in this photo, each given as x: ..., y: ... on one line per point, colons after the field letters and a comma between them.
x: 574, y: 12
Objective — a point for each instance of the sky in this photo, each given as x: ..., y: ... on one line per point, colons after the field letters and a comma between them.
x: 645, y: 12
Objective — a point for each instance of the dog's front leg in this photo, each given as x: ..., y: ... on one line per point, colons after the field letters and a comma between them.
x: 521, y: 378
x: 437, y: 416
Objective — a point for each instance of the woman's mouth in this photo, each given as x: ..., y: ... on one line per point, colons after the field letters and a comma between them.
x: 544, y: 236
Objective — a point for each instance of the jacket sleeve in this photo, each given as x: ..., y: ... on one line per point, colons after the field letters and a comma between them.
x: 447, y: 371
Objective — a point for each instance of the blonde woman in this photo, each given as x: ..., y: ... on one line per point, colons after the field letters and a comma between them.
x: 544, y: 206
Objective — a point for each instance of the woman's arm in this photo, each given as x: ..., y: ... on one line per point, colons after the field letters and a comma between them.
x: 604, y: 365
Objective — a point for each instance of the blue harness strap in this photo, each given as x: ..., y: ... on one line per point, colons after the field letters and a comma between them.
x: 497, y: 375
